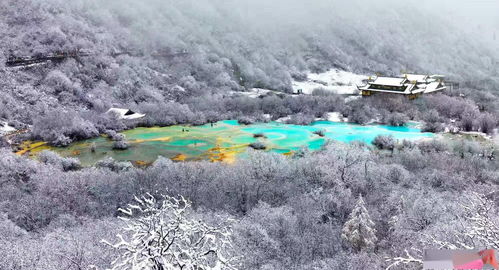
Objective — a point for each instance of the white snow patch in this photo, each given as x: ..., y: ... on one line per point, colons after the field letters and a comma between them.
x: 283, y: 119
x: 5, y: 128
x: 495, y: 137
x: 351, y: 98
x: 178, y: 88
x: 254, y: 92
x: 335, y: 117
x: 30, y: 65
x: 334, y: 80
x: 477, y: 134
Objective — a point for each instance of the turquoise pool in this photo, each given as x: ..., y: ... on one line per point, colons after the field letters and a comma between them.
x: 227, y: 140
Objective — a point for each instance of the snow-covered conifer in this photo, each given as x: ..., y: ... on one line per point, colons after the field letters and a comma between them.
x: 359, y: 230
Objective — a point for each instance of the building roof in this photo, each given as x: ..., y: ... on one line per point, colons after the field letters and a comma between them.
x: 125, y: 113
x: 437, y: 76
x: 434, y: 86
x: 408, y: 90
x: 417, y: 78
x: 389, y: 81
x: 409, y: 84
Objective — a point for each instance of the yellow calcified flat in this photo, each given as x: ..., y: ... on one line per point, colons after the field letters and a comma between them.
x: 32, y: 147
x: 180, y: 157
x: 162, y: 139
x: 141, y: 163
x: 227, y: 157
x: 225, y: 154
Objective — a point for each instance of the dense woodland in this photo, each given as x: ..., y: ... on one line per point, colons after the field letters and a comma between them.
x: 289, y: 212
x: 180, y: 62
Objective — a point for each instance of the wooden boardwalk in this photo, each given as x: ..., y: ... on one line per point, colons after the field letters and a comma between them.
x: 16, y: 61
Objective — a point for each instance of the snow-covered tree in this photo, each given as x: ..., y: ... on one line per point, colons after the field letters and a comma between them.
x: 164, y: 236
x: 480, y: 228
x: 359, y: 230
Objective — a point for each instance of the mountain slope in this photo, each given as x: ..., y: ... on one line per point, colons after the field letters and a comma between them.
x: 136, y: 49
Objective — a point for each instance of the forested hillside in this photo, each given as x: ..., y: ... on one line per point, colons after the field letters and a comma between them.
x: 345, y: 206
x: 144, y: 54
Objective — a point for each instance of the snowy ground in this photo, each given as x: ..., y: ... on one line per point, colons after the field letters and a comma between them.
x: 255, y: 92
x: 495, y: 138
x: 5, y: 128
x: 336, y: 117
x: 334, y: 80
x: 330, y: 116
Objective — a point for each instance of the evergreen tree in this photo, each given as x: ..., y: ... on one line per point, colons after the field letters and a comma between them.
x: 359, y: 230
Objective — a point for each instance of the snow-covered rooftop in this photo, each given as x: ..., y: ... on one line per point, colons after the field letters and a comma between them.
x: 417, y: 78
x: 389, y: 81
x: 125, y: 113
x: 433, y: 86
x: 408, y: 84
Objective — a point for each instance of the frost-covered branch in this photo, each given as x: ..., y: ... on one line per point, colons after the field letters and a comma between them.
x: 163, y: 236
x: 408, y: 259
x: 481, y: 230
x: 484, y: 229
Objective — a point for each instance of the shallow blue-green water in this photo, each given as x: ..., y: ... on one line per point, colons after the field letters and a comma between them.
x: 227, y: 140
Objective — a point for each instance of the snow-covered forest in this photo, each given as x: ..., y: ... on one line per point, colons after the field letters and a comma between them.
x: 145, y: 54
x: 347, y: 206
x: 287, y: 213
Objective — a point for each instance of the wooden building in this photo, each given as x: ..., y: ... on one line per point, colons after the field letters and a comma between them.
x: 410, y: 85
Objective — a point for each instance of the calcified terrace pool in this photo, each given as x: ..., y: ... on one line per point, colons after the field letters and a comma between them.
x: 225, y: 140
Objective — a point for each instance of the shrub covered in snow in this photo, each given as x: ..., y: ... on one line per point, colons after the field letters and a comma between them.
x: 258, y: 146
x: 244, y: 120
x: 61, y: 128
x: 259, y: 135
x: 432, y: 121
x: 120, y: 144
x: 300, y: 119
x: 360, y: 112
x: 113, y: 165
x: 432, y: 146
x: 384, y: 142
x: 396, y: 119
x: 52, y: 158
x: 320, y: 132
